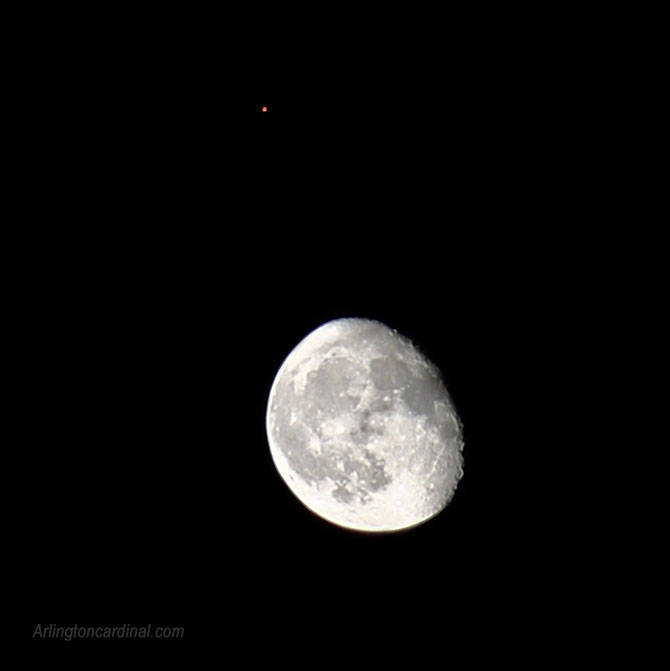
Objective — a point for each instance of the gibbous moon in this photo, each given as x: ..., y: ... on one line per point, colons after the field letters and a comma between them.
x: 362, y: 429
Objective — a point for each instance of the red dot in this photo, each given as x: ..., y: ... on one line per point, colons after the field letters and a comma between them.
x: 265, y: 109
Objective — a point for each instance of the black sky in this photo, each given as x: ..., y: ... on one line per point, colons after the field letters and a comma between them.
x: 178, y: 244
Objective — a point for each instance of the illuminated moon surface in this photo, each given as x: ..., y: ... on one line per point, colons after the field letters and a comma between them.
x: 362, y: 429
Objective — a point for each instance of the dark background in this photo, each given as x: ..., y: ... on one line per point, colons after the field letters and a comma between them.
x: 175, y: 244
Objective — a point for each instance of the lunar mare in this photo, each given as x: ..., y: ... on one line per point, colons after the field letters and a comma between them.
x: 362, y: 429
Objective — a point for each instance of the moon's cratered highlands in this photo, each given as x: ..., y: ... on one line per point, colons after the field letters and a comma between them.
x: 362, y: 429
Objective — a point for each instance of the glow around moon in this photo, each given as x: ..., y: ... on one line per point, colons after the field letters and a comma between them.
x: 362, y: 429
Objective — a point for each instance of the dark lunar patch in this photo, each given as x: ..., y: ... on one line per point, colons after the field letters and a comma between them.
x: 374, y: 474
x: 421, y: 393
x: 364, y: 431
x: 389, y: 373
x: 379, y: 405
x: 327, y: 387
x: 450, y: 429
x: 371, y: 476
x: 342, y: 495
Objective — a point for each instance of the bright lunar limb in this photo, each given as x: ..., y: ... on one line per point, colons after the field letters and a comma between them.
x: 362, y: 429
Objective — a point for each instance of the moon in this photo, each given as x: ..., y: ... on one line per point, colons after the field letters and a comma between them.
x: 362, y: 429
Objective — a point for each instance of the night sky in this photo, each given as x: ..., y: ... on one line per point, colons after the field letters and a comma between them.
x: 177, y: 243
